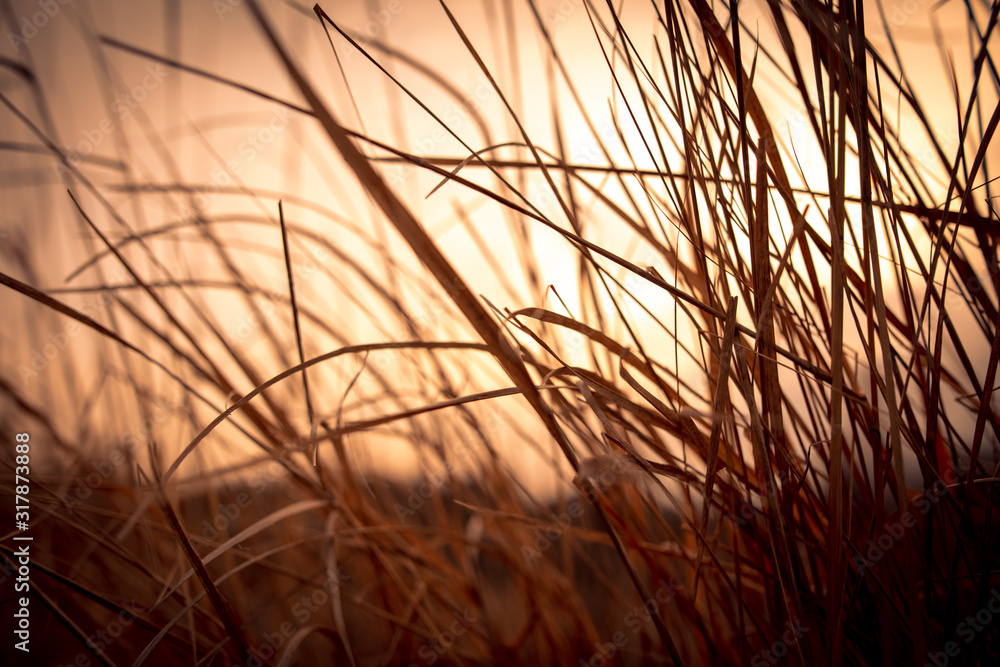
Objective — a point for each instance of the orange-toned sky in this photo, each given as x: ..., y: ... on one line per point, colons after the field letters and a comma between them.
x: 107, y: 106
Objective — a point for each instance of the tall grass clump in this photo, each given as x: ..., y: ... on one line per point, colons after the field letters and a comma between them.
x: 523, y: 332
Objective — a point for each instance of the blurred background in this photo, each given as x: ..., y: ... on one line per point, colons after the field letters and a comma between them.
x: 143, y: 102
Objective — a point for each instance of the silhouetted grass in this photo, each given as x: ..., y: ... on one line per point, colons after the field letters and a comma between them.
x: 763, y: 406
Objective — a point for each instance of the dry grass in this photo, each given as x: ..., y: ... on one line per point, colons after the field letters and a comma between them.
x: 762, y: 406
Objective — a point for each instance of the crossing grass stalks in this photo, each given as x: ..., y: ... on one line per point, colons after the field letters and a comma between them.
x: 763, y: 406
